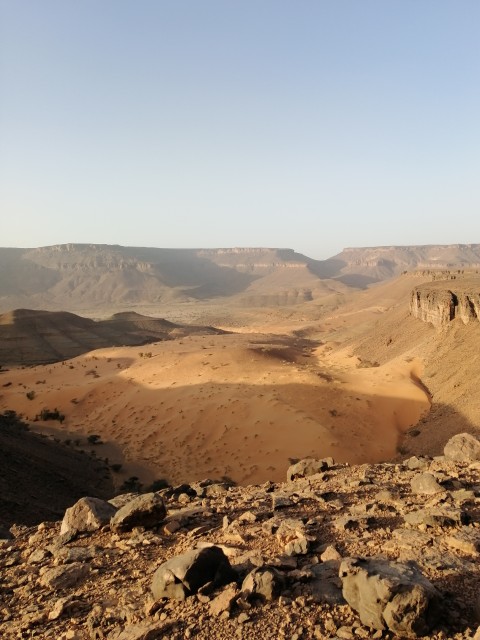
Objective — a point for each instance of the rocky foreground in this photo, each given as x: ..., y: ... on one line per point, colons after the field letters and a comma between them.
x: 373, y: 551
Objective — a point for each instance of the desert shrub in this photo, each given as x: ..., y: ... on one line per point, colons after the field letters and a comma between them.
x: 94, y: 439
x: 156, y: 485
x: 132, y: 484
x: 30, y: 395
x: 48, y: 414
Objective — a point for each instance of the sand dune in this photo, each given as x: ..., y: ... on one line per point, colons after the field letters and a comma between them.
x: 240, y: 406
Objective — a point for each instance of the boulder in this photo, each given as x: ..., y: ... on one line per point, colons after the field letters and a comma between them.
x: 147, y: 510
x: 390, y: 595
x: 265, y: 583
x: 185, y: 574
x: 308, y: 467
x: 88, y: 514
x: 462, y: 448
x: 425, y: 483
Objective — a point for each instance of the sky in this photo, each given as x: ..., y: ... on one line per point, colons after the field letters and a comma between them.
x: 308, y: 124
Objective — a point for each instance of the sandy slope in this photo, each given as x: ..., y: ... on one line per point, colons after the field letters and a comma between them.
x: 239, y: 406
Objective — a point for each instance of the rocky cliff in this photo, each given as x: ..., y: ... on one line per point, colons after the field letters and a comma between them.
x: 441, y: 302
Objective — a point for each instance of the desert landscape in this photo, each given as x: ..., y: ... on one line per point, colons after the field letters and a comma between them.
x: 345, y: 377
x: 217, y: 386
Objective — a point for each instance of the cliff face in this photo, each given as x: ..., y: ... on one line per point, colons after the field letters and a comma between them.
x: 439, y: 304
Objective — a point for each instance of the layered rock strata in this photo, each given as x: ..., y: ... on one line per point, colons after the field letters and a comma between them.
x: 439, y: 304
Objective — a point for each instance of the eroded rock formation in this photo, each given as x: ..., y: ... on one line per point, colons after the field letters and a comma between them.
x: 439, y: 303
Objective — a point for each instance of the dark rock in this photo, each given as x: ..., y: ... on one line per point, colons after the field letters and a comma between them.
x: 326, y: 587
x: 183, y: 575
x: 147, y: 510
x: 390, y: 595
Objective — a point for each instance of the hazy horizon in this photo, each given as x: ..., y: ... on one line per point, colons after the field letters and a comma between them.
x: 316, y: 126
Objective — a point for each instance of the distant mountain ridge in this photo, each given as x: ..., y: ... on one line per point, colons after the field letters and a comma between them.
x: 88, y: 276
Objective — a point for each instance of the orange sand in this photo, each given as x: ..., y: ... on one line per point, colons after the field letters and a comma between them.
x: 240, y: 406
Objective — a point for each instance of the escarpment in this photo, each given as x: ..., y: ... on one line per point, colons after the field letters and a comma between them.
x: 439, y: 303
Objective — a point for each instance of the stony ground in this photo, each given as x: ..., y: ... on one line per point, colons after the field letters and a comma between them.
x: 97, y: 585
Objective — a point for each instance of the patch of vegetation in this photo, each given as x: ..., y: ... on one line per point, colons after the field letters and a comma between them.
x: 48, y: 414
x: 30, y: 395
x: 94, y: 439
x: 132, y: 484
x: 159, y: 484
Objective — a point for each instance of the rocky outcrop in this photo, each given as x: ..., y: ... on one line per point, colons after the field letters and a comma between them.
x: 438, y: 303
x: 381, y: 556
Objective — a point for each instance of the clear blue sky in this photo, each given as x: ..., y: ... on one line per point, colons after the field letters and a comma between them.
x: 201, y: 123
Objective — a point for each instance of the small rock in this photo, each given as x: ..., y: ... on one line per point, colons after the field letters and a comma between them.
x: 265, y: 583
x: 63, y: 577
x: 441, y: 517
x: 415, y: 463
x: 66, y: 606
x: 297, y: 547
x: 308, y: 467
x: 223, y: 602
x: 290, y: 529
x: 281, y: 501
x: 330, y: 553
x: 466, y: 540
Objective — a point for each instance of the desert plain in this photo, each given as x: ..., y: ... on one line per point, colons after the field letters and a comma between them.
x: 248, y: 360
